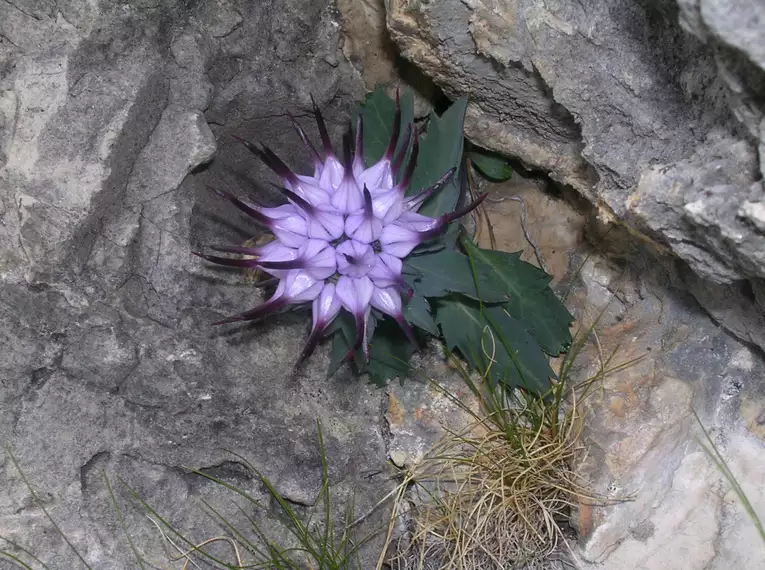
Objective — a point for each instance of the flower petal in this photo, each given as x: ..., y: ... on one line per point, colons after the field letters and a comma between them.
x: 309, y: 188
x: 325, y: 308
x: 414, y: 202
x: 320, y: 259
x: 332, y: 175
x: 299, y: 287
x: 347, y: 197
x: 388, y: 205
x: 399, y: 241
x: 378, y: 177
x: 386, y: 271
x: 388, y: 301
x: 364, y: 226
x: 354, y: 293
x: 354, y: 259
x: 412, y: 229
x: 317, y: 162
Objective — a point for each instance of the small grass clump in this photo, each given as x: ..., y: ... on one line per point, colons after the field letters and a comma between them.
x: 497, y: 494
x: 315, y: 543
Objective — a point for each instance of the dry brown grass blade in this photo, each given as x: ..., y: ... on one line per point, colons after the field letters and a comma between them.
x: 498, y: 493
x: 493, y: 499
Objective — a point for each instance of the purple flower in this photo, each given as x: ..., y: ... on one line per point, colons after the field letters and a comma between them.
x: 341, y: 237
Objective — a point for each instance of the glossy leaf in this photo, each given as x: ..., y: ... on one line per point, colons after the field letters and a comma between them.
x: 389, y: 354
x: 448, y: 271
x: 377, y: 112
x: 417, y: 313
x: 531, y: 301
x: 441, y: 149
x: 493, y: 343
x: 493, y: 166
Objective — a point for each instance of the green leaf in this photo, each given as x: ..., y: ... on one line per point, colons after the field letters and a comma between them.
x: 342, y: 331
x: 377, y: 112
x: 441, y: 146
x: 531, y: 301
x: 389, y: 351
x: 417, y: 313
x: 441, y: 149
x: 493, y: 343
x: 493, y: 166
x: 389, y: 354
x: 447, y: 271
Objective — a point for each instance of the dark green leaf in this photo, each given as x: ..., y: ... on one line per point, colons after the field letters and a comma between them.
x: 389, y: 350
x: 377, y: 112
x: 441, y: 145
x: 417, y: 313
x: 493, y: 343
x: 441, y: 149
x: 343, y: 335
x: 531, y: 300
x: 491, y: 165
x: 447, y: 271
x: 389, y: 354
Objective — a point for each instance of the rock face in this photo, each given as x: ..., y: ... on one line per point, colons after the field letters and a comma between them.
x: 653, y: 111
x: 109, y: 364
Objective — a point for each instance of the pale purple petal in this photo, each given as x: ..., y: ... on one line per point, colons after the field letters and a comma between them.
x: 325, y: 308
x: 330, y: 222
x: 354, y: 294
x: 347, y: 197
x: 354, y: 259
x: 292, y: 231
x: 364, y: 226
x: 417, y: 222
x: 399, y: 241
x: 378, y: 177
x: 388, y: 205
x: 388, y: 301
x: 332, y: 175
x: 319, y: 259
x: 386, y: 271
x: 275, y: 252
x: 299, y: 287
x: 309, y: 188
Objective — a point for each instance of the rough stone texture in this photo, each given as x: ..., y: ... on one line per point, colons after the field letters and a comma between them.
x: 670, y: 507
x: 641, y: 435
x: 653, y: 111
x: 109, y: 363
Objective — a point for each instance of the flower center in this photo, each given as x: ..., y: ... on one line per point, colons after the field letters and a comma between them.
x: 354, y: 259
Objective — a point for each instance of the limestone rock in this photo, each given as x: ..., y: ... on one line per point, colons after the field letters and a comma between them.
x: 113, y: 120
x: 615, y: 99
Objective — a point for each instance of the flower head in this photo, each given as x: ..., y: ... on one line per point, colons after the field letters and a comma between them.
x: 341, y: 236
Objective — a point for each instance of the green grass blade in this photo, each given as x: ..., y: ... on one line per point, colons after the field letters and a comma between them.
x: 25, y: 551
x: 192, y: 546
x: 42, y: 507
x: 20, y: 563
x: 121, y: 520
x: 714, y: 454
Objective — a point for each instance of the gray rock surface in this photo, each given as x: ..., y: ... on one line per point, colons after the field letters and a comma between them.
x: 108, y: 361
x: 651, y: 110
